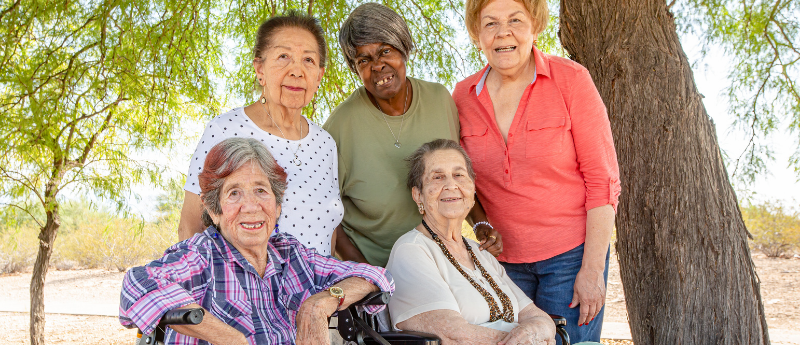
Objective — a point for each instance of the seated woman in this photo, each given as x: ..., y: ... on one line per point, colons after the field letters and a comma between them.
x: 444, y: 284
x: 256, y: 289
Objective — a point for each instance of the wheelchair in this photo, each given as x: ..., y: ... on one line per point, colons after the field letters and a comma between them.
x: 352, y: 327
x: 355, y: 330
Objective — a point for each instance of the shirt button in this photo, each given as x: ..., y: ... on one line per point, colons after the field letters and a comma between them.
x: 506, y: 171
x: 510, y: 135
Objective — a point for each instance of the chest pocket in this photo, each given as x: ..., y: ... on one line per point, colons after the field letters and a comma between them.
x: 474, y: 141
x: 234, y: 309
x: 545, y: 136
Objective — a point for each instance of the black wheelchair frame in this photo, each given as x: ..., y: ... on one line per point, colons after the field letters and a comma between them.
x: 355, y: 330
x: 351, y: 326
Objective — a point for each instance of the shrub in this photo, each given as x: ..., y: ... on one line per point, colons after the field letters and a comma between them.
x: 775, y: 228
x: 89, y: 237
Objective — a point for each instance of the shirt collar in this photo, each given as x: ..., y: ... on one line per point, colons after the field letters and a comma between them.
x: 539, y: 67
x: 231, y: 254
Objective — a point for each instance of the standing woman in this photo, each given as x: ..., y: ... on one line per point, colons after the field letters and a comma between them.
x: 288, y: 60
x: 547, y: 176
x: 379, y: 125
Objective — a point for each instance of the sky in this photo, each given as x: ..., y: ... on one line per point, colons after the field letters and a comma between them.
x: 779, y: 184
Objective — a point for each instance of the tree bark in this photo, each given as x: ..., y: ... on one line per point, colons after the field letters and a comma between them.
x: 683, y: 247
x: 47, y: 237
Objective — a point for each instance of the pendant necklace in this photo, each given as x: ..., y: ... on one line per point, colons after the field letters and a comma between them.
x: 397, y: 137
x: 296, y: 160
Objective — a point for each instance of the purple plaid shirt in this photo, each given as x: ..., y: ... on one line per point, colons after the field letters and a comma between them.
x: 207, y: 270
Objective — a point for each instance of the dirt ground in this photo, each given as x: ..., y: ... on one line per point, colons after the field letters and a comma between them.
x: 780, y: 290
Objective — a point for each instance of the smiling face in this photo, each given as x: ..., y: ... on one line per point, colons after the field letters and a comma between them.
x: 447, y: 190
x: 249, y: 209
x: 506, y: 34
x: 381, y: 68
x: 289, y: 69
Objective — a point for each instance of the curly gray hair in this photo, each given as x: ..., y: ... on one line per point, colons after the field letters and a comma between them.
x: 373, y: 23
x: 224, y: 159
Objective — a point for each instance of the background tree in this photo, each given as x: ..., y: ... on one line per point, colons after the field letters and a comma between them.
x: 86, y: 87
x: 684, y: 258
x: 762, y: 39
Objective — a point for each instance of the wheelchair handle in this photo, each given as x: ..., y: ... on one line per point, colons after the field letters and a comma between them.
x: 192, y: 316
x: 374, y: 298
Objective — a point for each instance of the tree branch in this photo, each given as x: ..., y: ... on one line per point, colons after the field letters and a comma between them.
x: 9, y: 9
x: 26, y: 211
x: 24, y: 181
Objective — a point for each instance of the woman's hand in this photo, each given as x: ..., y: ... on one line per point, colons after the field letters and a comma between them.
x: 528, y: 333
x: 590, y: 285
x: 589, y: 292
x: 345, y: 249
x: 312, y: 319
x: 489, y: 239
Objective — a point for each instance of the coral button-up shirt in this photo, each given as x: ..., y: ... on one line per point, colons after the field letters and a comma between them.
x: 558, y: 163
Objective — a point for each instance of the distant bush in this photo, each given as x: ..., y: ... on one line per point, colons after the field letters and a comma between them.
x: 18, y: 249
x: 775, y: 228
x: 89, y: 237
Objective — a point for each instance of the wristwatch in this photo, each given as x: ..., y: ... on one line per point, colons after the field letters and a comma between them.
x: 337, y: 292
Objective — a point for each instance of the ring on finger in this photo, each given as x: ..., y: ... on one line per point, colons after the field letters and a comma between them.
x: 493, y: 237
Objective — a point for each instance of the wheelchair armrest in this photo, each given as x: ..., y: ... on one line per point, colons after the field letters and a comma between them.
x: 374, y: 298
x: 407, y: 338
x: 183, y: 316
x: 180, y: 316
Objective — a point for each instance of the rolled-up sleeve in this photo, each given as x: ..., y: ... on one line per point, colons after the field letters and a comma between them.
x: 329, y: 271
x: 594, y: 145
x: 171, y: 282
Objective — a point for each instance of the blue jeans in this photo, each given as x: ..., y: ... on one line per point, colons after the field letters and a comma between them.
x: 549, y: 283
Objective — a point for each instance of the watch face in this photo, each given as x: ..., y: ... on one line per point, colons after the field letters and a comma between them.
x: 336, y: 291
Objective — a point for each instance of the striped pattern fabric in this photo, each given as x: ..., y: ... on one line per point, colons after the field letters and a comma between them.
x: 209, y: 271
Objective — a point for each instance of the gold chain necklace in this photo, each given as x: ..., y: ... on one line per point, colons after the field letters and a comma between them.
x: 296, y: 160
x: 494, y: 311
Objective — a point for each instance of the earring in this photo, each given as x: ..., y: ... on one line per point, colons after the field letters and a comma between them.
x: 535, y: 42
x: 264, y: 101
x: 276, y: 228
x: 421, y: 209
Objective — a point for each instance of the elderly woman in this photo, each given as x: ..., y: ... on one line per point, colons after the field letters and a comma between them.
x: 379, y: 125
x: 548, y: 180
x: 445, y: 285
x: 256, y: 289
x: 288, y: 60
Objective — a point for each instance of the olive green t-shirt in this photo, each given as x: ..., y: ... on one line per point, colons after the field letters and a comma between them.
x: 378, y: 207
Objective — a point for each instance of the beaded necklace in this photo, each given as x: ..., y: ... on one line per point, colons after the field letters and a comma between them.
x: 494, y: 311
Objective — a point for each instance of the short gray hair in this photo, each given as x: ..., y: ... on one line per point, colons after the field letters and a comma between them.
x: 416, y: 161
x: 373, y: 23
x: 224, y: 159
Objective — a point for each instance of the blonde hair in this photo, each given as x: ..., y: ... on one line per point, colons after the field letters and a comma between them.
x: 536, y: 8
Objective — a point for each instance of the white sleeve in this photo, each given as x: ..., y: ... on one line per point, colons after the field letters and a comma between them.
x: 212, y: 135
x: 419, y: 286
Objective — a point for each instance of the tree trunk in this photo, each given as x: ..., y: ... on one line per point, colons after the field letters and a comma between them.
x: 47, y: 236
x: 683, y: 247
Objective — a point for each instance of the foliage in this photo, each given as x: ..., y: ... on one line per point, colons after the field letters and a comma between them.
x: 85, y: 85
x: 775, y: 228
x: 91, y: 236
x: 762, y: 37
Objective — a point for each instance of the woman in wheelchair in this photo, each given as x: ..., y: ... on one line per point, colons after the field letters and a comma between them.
x: 255, y: 288
x: 444, y: 284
